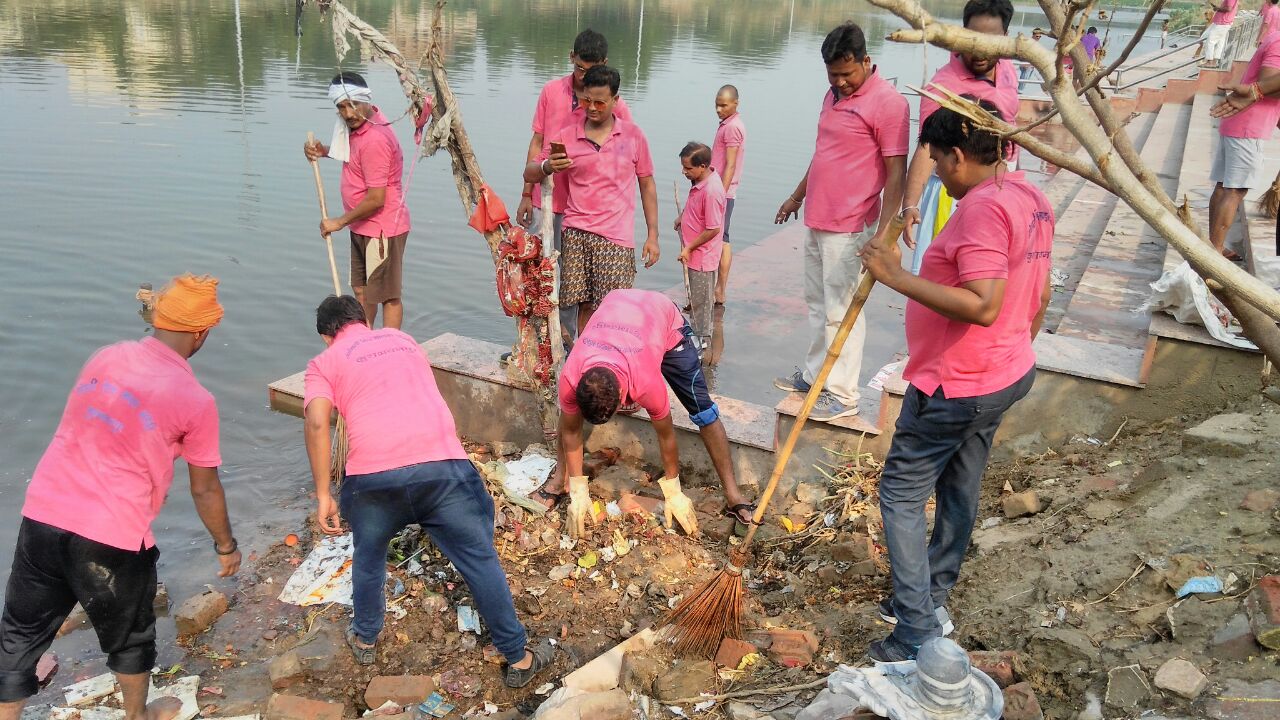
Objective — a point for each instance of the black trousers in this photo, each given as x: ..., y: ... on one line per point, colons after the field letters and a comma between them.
x: 54, y: 569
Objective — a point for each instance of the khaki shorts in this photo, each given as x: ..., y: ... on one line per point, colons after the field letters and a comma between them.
x: 377, y: 265
x: 592, y: 266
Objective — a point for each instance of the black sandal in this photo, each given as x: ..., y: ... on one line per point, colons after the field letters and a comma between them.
x: 543, y: 494
x: 543, y: 653
x: 364, y: 655
x: 733, y: 510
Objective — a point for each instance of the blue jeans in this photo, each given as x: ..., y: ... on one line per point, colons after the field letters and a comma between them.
x: 940, y: 446
x: 449, y: 500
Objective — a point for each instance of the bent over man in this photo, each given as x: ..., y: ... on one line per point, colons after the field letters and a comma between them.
x: 86, y: 526
x: 405, y: 465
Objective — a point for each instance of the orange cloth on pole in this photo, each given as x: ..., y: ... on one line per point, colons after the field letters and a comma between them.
x: 188, y: 304
x: 490, y: 213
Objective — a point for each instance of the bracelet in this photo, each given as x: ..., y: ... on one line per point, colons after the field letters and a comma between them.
x: 544, y: 167
x: 794, y: 200
x: 235, y: 546
x: 1257, y: 91
x: 909, y: 207
x: 528, y: 195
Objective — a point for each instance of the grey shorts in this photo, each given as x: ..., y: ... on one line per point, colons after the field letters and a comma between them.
x: 1237, y: 164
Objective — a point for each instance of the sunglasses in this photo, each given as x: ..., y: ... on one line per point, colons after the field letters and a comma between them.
x: 593, y: 104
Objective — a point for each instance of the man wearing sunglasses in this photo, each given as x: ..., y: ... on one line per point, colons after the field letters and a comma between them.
x: 557, y: 103
x: 605, y: 158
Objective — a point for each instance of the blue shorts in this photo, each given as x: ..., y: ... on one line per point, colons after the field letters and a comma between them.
x: 682, y: 369
x: 728, y: 213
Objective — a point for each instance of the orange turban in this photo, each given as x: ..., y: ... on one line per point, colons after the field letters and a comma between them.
x: 189, y: 304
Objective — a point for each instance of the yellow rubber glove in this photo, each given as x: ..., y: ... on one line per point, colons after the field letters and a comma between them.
x: 579, y: 506
x: 678, y: 506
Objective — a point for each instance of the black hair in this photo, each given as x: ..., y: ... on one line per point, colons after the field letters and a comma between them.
x: 349, y: 78
x: 843, y: 43
x: 732, y: 91
x: 602, y: 76
x: 1092, y: 30
x: 598, y: 395
x: 591, y: 46
x: 948, y: 130
x: 337, y: 312
x: 1002, y: 9
x: 699, y: 155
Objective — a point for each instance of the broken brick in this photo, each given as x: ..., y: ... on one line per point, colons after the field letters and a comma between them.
x: 1241, y: 700
x: 1021, y: 703
x: 1019, y: 504
x: 292, y: 707
x: 1099, y: 484
x: 286, y: 670
x: 46, y: 668
x: 1263, y: 606
x: 1181, y: 678
x: 1234, y: 641
x: 196, y: 614
x: 997, y: 664
x: 403, y: 690
x: 793, y: 648
x: 631, y: 503
x: 859, y: 547
x: 1260, y: 500
x: 732, y: 651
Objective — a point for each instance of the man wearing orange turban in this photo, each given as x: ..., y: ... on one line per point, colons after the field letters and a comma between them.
x: 86, y: 534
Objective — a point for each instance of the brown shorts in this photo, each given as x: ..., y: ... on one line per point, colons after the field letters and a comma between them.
x: 592, y: 266
x: 377, y: 265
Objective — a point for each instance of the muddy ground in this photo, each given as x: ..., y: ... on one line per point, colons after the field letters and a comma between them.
x: 1083, y: 586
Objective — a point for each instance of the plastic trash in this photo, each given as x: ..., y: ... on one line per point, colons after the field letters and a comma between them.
x: 435, y: 706
x: 324, y: 576
x: 468, y: 619
x: 1203, y: 584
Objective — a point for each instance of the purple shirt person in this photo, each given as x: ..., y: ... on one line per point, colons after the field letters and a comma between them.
x: 1091, y: 43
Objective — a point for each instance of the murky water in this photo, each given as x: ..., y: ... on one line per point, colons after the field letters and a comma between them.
x: 144, y: 138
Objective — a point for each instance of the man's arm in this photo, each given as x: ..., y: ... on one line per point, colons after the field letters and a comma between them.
x: 524, y: 213
x: 917, y: 177
x: 1045, y: 296
x: 373, y: 200
x: 895, y: 179
x: 730, y: 165
x: 977, y: 302
x: 698, y: 242
x: 667, y: 447
x: 211, y: 506
x: 649, y: 201
x: 570, y: 446
x: 791, y: 206
x: 316, y: 434
x: 1240, y: 97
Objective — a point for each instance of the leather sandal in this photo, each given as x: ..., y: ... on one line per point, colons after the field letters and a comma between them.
x: 363, y: 654
x: 543, y: 653
x: 733, y: 510
x: 542, y: 494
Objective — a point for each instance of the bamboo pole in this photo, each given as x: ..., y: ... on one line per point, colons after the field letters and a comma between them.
x: 324, y: 215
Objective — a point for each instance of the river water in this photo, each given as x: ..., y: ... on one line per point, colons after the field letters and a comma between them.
x: 145, y: 138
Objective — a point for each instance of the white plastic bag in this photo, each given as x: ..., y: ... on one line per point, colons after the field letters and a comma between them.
x: 1183, y: 294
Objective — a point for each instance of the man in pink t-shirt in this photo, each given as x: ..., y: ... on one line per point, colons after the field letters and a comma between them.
x: 404, y: 465
x: 1270, y: 23
x: 1249, y: 112
x: 86, y: 531
x: 972, y: 314
x: 1219, y: 31
x: 700, y: 225
x: 636, y: 345
x: 557, y: 105
x: 861, y: 152
x: 605, y: 157
x: 992, y: 79
x: 728, y: 156
x: 372, y: 197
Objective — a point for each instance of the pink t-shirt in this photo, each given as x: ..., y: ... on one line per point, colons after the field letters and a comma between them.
x: 1001, y: 230
x: 847, y: 173
x: 730, y: 133
x: 381, y: 383
x: 1001, y: 90
x: 601, y: 184
x: 704, y: 209
x: 135, y: 407
x: 629, y: 333
x: 376, y: 161
x: 1270, y: 17
x: 1259, y: 119
x: 1228, y: 17
x: 557, y: 104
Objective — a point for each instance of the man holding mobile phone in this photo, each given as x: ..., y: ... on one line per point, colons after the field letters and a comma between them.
x: 605, y: 158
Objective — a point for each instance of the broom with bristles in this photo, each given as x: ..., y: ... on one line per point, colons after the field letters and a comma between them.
x: 1269, y: 203
x: 338, y: 456
x: 701, y: 621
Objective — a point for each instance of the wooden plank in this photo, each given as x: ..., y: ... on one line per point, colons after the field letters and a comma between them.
x: 1090, y: 359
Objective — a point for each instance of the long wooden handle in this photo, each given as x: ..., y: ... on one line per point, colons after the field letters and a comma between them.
x: 675, y: 195
x: 892, y: 233
x: 324, y: 215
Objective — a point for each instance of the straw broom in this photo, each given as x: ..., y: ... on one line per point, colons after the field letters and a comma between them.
x: 338, y: 456
x: 1269, y: 203
x: 700, y: 622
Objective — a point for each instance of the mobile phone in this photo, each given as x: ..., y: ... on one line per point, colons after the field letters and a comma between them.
x: 557, y: 148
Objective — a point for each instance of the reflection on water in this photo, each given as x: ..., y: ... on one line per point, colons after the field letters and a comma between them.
x: 144, y: 138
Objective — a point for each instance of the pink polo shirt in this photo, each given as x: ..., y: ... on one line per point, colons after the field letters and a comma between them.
x: 704, y: 209
x: 381, y: 383
x: 601, y: 184
x: 1228, y: 17
x: 1270, y: 17
x: 730, y: 133
x: 557, y: 103
x: 376, y: 161
x: 629, y: 333
x: 1001, y: 231
x: 1001, y: 90
x: 1259, y: 119
x: 847, y: 173
x: 135, y: 407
